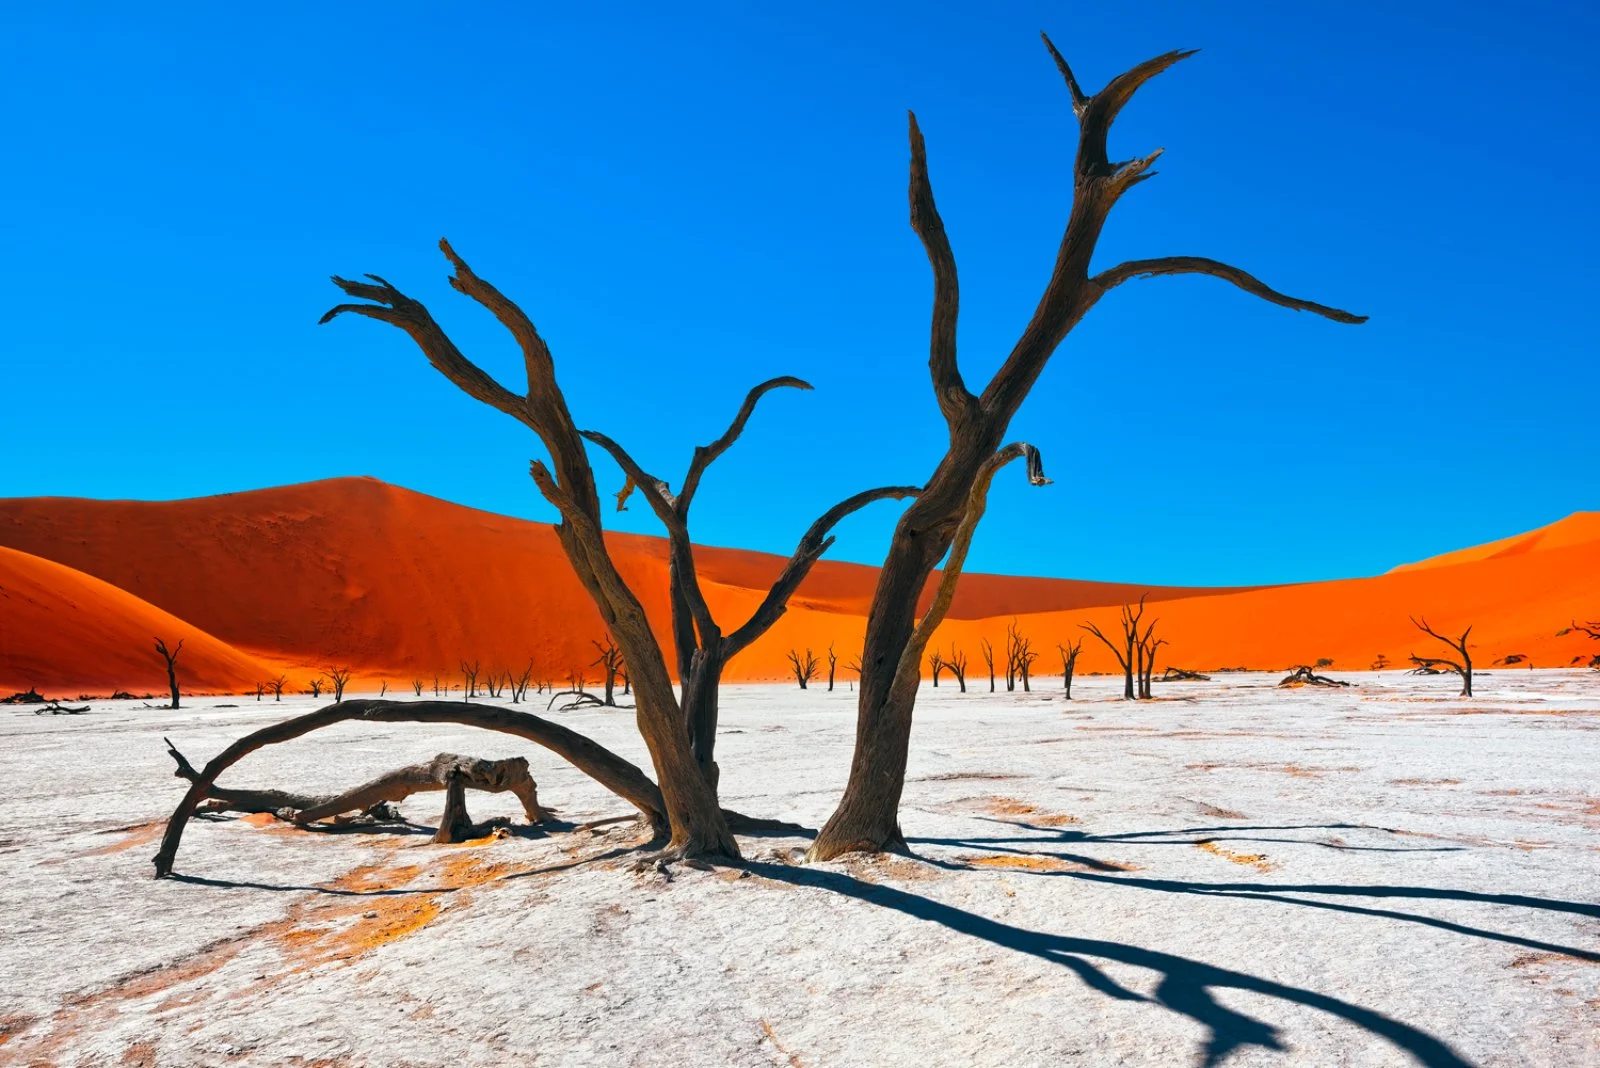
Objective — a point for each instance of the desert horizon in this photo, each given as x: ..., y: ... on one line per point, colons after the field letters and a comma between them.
x: 303, y: 578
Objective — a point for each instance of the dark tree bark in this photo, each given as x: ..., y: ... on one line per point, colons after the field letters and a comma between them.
x: 697, y: 822
x: 1461, y: 667
x: 277, y: 686
x: 936, y: 665
x: 1069, y: 664
x: 867, y: 815
x: 1302, y: 676
x: 599, y: 763
x: 1126, y: 653
x: 171, y: 658
x: 610, y: 662
x: 314, y: 687
x: 987, y: 651
x: 489, y: 776
x: 957, y: 663
x: 833, y: 663
x: 804, y: 667
x: 340, y: 678
x: 469, y: 679
x: 703, y: 651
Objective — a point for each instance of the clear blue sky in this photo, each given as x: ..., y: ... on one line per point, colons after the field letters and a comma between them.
x: 691, y: 198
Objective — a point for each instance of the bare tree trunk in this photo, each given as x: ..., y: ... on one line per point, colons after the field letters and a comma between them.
x: 866, y: 817
x: 171, y: 658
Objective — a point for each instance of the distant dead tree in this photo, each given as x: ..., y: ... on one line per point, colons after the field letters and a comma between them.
x: 833, y: 660
x: 1011, y: 656
x: 1307, y: 676
x: 986, y: 650
x: 339, y: 678
x: 276, y: 686
x: 855, y: 666
x: 383, y: 687
x: 416, y: 687
x: 1069, y: 663
x: 1323, y: 662
x: 520, y: 684
x: 610, y: 664
x: 1025, y: 657
x: 804, y: 667
x: 1124, y: 653
x: 1145, y: 658
x: 1592, y: 629
x: 1435, y: 665
x: 957, y: 663
x: 314, y: 687
x: 1380, y: 663
x: 469, y: 679
x: 936, y: 665
x: 261, y: 689
x: 436, y: 685
x: 171, y: 658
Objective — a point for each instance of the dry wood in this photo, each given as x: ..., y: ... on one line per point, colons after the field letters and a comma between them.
x: 1438, y: 665
x: 1306, y: 676
x: 867, y: 815
x: 171, y: 658
x: 442, y: 772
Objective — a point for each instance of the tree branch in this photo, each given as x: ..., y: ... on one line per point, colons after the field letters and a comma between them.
x: 705, y: 455
x: 1115, y: 276
x: 955, y: 401
x: 812, y: 545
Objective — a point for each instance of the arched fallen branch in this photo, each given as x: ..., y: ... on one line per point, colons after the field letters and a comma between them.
x: 443, y: 772
x: 1178, y: 674
x: 595, y: 760
x: 580, y: 699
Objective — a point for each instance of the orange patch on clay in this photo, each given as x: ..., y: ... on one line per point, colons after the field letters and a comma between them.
x: 1257, y: 861
x: 142, y: 834
x: 1015, y: 862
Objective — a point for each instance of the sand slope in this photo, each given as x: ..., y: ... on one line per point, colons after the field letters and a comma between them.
x: 399, y: 585
x: 60, y: 626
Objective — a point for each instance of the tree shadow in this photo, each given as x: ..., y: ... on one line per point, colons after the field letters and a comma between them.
x: 1185, y: 986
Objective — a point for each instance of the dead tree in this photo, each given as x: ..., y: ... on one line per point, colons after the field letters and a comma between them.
x: 520, y: 684
x: 1148, y: 644
x: 936, y: 665
x: 383, y: 687
x: 261, y: 690
x: 1124, y: 653
x: 171, y: 658
x: 867, y: 815
x: 703, y: 649
x: 1011, y: 655
x: 416, y: 687
x: 1380, y: 663
x: 1069, y: 663
x: 277, y: 685
x: 986, y: 650
x: 469, y: 680
x: 957, y: 663
x: 1307, y: 676
x: 610, y: 662
x: 1592, y: 629
x: 375, y: 799
x: 1025, y: 659
x: 833, y: 661
x: 804, y: 667
x: 338, y: 678
x: 314, y: 687
x: 1178, y: 674
x: 1434, y: 665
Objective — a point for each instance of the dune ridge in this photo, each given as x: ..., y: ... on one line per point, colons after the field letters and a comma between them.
x: 399, y: 585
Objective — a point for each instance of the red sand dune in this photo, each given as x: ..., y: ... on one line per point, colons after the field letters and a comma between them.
x: 61, y: 627
x: 399, y: 585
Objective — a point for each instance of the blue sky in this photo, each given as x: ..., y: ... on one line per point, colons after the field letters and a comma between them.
x: 689, y: 199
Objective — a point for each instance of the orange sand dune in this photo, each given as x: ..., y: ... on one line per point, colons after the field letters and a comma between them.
x: 398, y: 585
x: 1579, y: 528
x: 63, y: 628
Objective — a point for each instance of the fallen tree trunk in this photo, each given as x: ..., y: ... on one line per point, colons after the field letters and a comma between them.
x: 1304, y: 676
x: 440, y: 773
x: 593, y: 759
